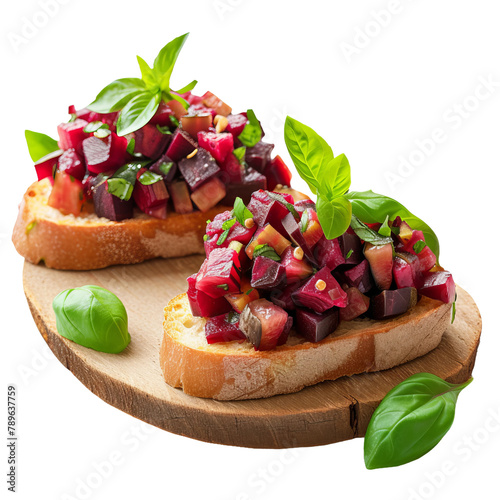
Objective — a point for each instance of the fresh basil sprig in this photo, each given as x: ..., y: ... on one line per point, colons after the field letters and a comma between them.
x: 139, y: 98
x: 411, y: 420
x: 367, y: 234
x: 241, y: 212
x: 39, y: 145
x: 252, y: 133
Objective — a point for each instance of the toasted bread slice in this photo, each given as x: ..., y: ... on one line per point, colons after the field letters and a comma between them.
x: 235, y: 371
x: 43, y: 233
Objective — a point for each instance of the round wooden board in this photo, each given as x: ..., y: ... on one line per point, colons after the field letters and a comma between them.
x: 132, y: 380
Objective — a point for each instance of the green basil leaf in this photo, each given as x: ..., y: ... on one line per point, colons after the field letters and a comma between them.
x: 166, y: 58
x: 149, y: 76
x: 314, y: 160
x: 121, y: 188
x: 372, y: 207
x: 240, y: 154
x: 92, y: 317
x: 266, y: 251
x: 147, y: 178
x: 419, y: 246
x: 174, y: 120
x: 304, y: 221
x: 131, y: 147
x: 411, y: 420
x: 281, y: 199
x: 226, y: 226
x: 252, y: 133
x: 164, y: 130
x: 137, y: 113
x: 385, y: 229
x: 224, y: 286
x: 129, y: 171
x: 165, y: 167
x: 349, y: 253
x: 367, y: 234
x: 116, y: 95
x: 95, y: 126
x: 188, y: 87
x: 39, y: 145
x: 180, y: 99
x: 334, y: 216
x: 241, y: 212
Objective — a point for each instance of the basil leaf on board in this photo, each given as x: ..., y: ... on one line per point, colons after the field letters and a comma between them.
x: 92, y: 317
x: 372, y: 207
x: 148, y: 75
x: 367, y: 234
x: 411, y: 420
x: 39, y: 145
x: 114, y: 96
x: 120, y: 188
x: 241, y: 212
x: 385, y: 229
x: 314, y: 160
x: 334, y: 215
x: 147, y: 178
x: 137, y: 113
x: 252, y: 133
x: 266, y: 251
x: 166, y: 58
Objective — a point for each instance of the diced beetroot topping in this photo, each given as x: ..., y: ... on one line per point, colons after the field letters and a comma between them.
x: 252, y: 181
x: 162, y: 116
x: 407, y: 271
x: 237, y: 232
x: 248, y: 294
x: 232, y: 168
x: 357, y: 304
x: 277, y: 172
x: 181, y: 198
x: 328, y: 253
x: 259, y: 156
x: 426, y: 258
x: 151, y: 198
x: 150, y: 142
x: 293, y: 231
x: 110, y: 206
x: 162, y: 165
x: 71, y: 135
x: 72, y: 163
x: 177, y: 108
x: 391, y: 303
x: 282, y: 296
x: 236, y: 124
x: 295, y: 269
x: 351, y: 247
x: 181, y: 145
x: 212, y: 101
x: 191, y: 98
x: 218, y: 145
x: 221, y: 274
x: 209, y: 194
x: 203, y: 305
x: 320, y: 292
x: 315, y: 327
x: 193, y: 124
x: 313, y: 231
x: 66, y: 194
x: 286, y: 331
x: 267, y: 273
x: 438, y: 285
x: 380, y: 259
x: 223, y: 328
x: 268, y: 236
x: 198, y: 169
x: 266, y: 208
x: 105, y: 154
x: 263, y: 323
x: 45, y: 167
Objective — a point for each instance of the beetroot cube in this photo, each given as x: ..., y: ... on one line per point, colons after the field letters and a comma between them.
x: 252, y: 181
x: 293, y: 231
x: 181, y: 145
x: 315, y: 327
x: 45, y: 166
x: 222, y: 329
x: 391, y: 303
x: 209, y: 194
x: 203, y: 305
x: 282, y: 296
x: 266, y: 209
x: 72, y: 163
x: 277, y: 172
x: 218, y: 145
x: 267, y: 273
x: 259, y: 156
x: 150, y: 197
x: 352, y: 249
x: 162, y: 116
x: 438, y: 285
x: 357, y: 304
x: 150, y: 142
x: 232, y: 169
x: 236, y: 124
x: 110, y: 206
x: 71, y: 135
x: 328, y: 253
x: 198, y: 169
x: 406, y: 270
x: 360, y: 277
x: 221, y: 274
x: 165, y: 167
x: 181, y: 198
x: 105, y: 154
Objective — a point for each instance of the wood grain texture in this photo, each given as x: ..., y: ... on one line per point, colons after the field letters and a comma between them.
x: 132, y: 380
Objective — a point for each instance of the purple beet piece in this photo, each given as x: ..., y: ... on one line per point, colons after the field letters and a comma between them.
x: 351, y: 246
x: 165, y: 167
x: 286, y: 331
x: 328, y: 253
x: 438, y: 285
x: 253, y: 181
x: 390, y: 303
x: 202, y: 305
x: 236, y: 123
x: 282, y: 297
x: 150, y: 142
x: 303, y: 205
x: 259, y: 156
x: 267, y: 273
x: 72, y: 163
x: 199, y: 168
x: 292, y: 230
x: 360, y: 277
x: 315, y: 327
x: 181, y: 145
x: 110, y: 206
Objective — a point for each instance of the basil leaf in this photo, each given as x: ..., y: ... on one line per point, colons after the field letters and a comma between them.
x: 137, y: 112
x: 224, y: 286
x: 304, y: 221
x: 165, y: 167
x: 372, y: 207
x: 148, y: 75
x: 367, y: 234
x: 164, y: 130
x: 281, y: 199
x: 92, y: 317
x: 129, y: 171
x: 419, y: 246
x: 410, y: 420
x: 174, y: 120
x: 188, y: 87
x: 226, y: 226
x: 241, y: 212
x: 334, y: 216
x: 314, y: 160
x: 166, y: 58
x: 131, y: 147
x: 39, y: 145
x: 183, y: 101
x: 266, y: 251
x: 252, y: 133
x: 116, y: 95
x: 147, y: 178
x: 120, y: 188
x: 385, y: 229
x: 349, y: 253
x: 240, y: 154
x: 95, y: 126
x: 102, y: 133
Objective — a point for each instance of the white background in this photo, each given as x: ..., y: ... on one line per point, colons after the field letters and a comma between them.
x: 405, y: 79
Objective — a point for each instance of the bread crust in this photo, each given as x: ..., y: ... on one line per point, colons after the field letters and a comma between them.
x: 235, y: 371
x: 43, y: 234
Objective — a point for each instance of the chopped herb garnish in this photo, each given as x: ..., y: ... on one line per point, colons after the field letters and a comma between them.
x: 147, y: 178
x: 30, y: 226
x: 395, y: 230
x: 233, y: 317
x: 248, y: 292
x: 240, y: 154
x: 349, y: 253
x: 367, y: 234
x: 252, y: 133
x: 174, y: 120
x: 419, y: 246
x: 102, y: 133
x: 226, y: 226
x: 205, y: 237
x: 385, y: 230
x: 454, y: 309
x: 224, y: 286
x: 131, y: 147
x: 266, y: 251
x: 121, y: 188
x: 95, y: 126
x: 241, y: 212
x: 304, y: 221
x: 72, y: 118
x: 164, y: 130
x: 165, y: 167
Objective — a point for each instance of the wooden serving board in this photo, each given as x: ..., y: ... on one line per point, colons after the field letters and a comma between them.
x: 132, y: 380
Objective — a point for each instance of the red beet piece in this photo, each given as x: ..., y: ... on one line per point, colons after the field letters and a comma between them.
x: 438, y: 285
x: 391, y: 303
x: 360, y: 277
x: 252, y: 181
x: 259, y: 156
x: 357, y: 304
x: 277, y: 172
x: 221, y: 274
x: 165, y: 167
x: 181, y: 198
x: 72, y: 163
x: 151, y: 198
x: 209, y: 194
x: 67, y: 194
x: 282, y: 296
x: 293, y: 232
x: 218, y: 145
x: 105, y: 154
x: 110, y: 206
x: 267, y: 273
x: 315, y: 327
x: 380, y: 259
x: 351, y: 247
x: 71, y: 135
x: 181, y: 145
x: 328, y: 253
x: 45, y: 167
x: 150, y: 142
x: 194, y: 123
x: 232, y: 170
x: 198, y: 169
x: 223, y: 328
x: 202, y: 305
